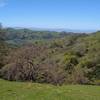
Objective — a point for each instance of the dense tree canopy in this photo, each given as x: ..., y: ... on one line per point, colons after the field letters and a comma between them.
x: 51, y: 57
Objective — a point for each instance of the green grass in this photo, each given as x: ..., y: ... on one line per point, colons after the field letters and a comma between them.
x: 35, y: 91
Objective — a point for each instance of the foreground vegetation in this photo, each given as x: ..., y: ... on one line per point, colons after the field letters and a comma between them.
x: 34, y: 91
x: 51, y: 57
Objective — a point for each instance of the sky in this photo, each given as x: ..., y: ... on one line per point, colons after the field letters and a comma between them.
x: 69, y: 14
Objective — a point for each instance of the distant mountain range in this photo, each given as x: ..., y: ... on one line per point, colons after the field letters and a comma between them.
x: 60, y: 29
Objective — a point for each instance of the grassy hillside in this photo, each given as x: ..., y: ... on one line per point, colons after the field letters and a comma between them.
x: 70, y: 59
x: 34, y: 91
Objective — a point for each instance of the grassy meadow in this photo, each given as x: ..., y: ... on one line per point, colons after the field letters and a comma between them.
x: 34, y: 91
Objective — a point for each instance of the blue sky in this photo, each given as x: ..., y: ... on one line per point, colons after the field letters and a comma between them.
x: 71, y: 14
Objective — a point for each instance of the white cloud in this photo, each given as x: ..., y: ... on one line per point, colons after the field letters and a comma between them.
x: 3, y: 3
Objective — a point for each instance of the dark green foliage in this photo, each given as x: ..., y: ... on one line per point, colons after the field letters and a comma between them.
x: 53, y: 57
x: 23, y: 36
x: 3, y: 47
